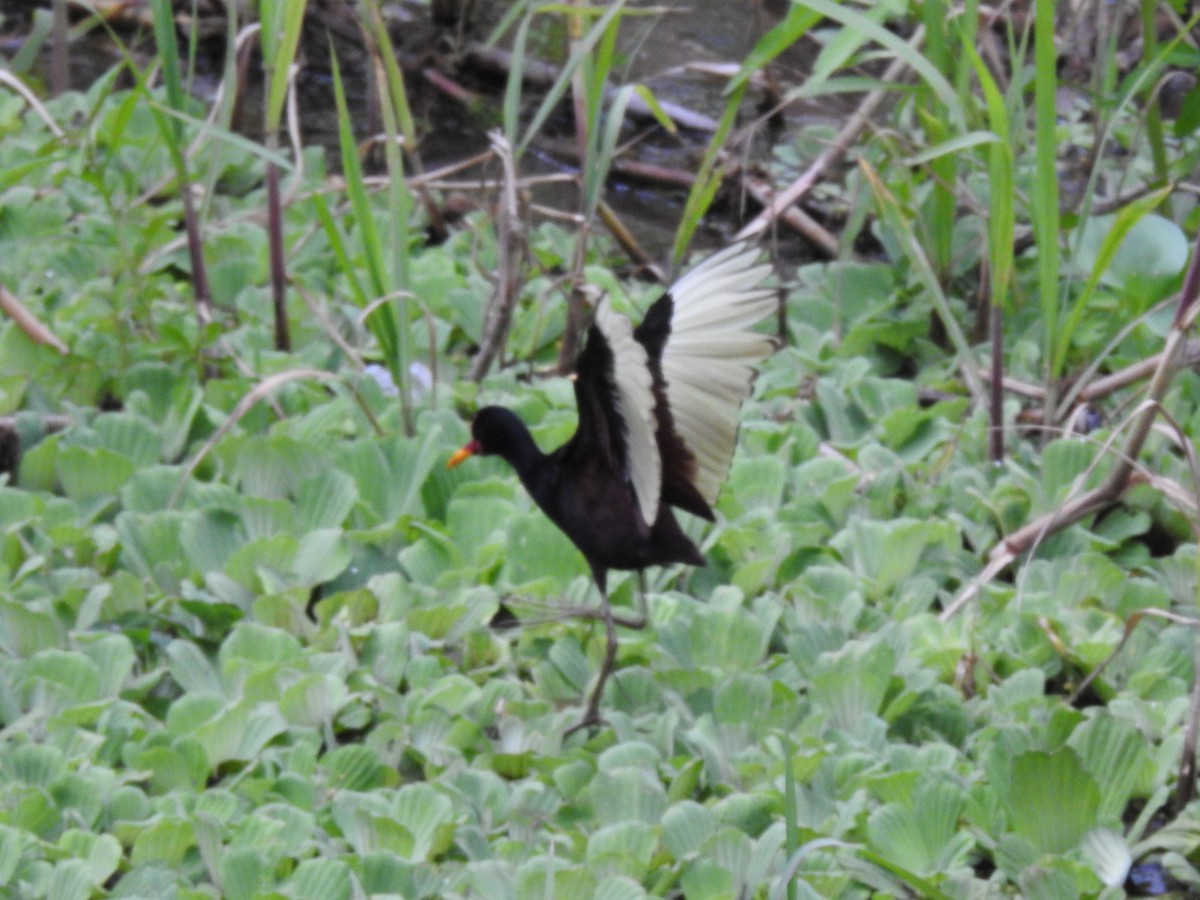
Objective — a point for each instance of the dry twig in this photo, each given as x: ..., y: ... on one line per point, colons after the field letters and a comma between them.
x: 1078, y: 508
x: 511, y: 257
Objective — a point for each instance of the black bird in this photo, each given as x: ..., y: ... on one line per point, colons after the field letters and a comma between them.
x: 658, y: 421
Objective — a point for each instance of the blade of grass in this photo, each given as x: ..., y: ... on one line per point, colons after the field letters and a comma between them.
x: 382, y: 320
x: 338, y: 243
x: 397, y: 120
x: 942, y: 168
x: 1001, y: 227
x: 280, y: 37
x: 281, y: 23
x: 894, y: 217
x: 902, y: 50
x: 708, y: 178
x: 1154, y: 127
x: 563, y: 81
x: 172, y: 132
x: 1044, y: 199
x: 797, y: 23
x: 1129, y: 216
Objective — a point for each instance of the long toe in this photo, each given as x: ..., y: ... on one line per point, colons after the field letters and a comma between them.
x: 591, y: 720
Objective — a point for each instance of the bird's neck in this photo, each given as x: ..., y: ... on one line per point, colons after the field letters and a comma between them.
x: 529, y: 462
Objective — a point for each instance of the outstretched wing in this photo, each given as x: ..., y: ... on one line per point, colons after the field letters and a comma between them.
x: 698, y: 341
x: 614, y: 393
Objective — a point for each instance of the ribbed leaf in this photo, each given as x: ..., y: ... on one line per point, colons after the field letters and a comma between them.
x: 239, y: 733
x: 209, y: 537
x: 1042, y: 883
x: 244, y: 870
x: 851, y: 683
x: 131, y: 436
x: 743, y: 698
x: 313, y: 701
x: 165, y: 841
x: 321, y: 557
x: 1116, y: 755
x: 707, y: 880
x: 627, y: 795
x: 1108, y: 852
x: 28, y: 630
x: 387, y: 873
x: 626, y: 847
x: 1053, y: 801
x: 619, y: 887
x: 34, y: 764
x: 191, y: 669
x: 926, y: 837
x: 1063, y: 461
x: 732, y: 850
x: 12, y: 846
x: 429, y: 817
x: 100, y: 853
x: 321, y: 879
x: 325, y: 501
x: 728, y: 638
x: 69, y: 881
x: 76, y: 676
x: 276, y: 466
x: 86, y: 472
x: 114, y: 658
x: 685, y: 826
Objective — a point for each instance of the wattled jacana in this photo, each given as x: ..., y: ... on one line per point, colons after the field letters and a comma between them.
x: 658, y: 420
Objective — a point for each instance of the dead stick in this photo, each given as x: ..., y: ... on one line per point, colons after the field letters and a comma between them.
x: 1076, y: 509
x: 510, y: 256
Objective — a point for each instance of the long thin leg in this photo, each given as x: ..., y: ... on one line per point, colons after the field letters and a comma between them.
x: 591, y: 712
x: 588, y: 612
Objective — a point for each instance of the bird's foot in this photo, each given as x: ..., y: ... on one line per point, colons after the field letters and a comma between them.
x: 591, y: 720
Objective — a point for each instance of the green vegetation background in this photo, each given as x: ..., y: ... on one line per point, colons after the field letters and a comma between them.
x: 178, y: 718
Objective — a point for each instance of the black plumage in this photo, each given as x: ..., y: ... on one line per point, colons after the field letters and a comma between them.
x: 658, y: 413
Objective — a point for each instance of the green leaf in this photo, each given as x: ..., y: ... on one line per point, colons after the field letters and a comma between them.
x: 627, y: 795
x: 100, y: 853
x: 325, y: 502
x: 191, y: 669
x: 1053, y: 802
x: 1132, y: 251
x: 685, y: 827
x: 1109, y: 855
x: 276, y: 466
x: 321, y: 557
x: 69, y: 881
x: 244, y: 870
x: 1117, y: 756
x: 428, y: 815
x: 13, y: 843
x: 87, y: 472
x: 210, y: 537
x: 313, y: 701
x: 783, y: 36
x: 851, y: 683
x: 321, y: 879
x: 165, y: 841
x: 924, y: 838
x: 705, y: 879
x: 1063, y: 461
x: 626, y: 847
x: 619, y: 887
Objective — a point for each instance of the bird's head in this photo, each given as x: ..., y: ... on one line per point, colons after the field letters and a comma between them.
x: 494, y: 430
